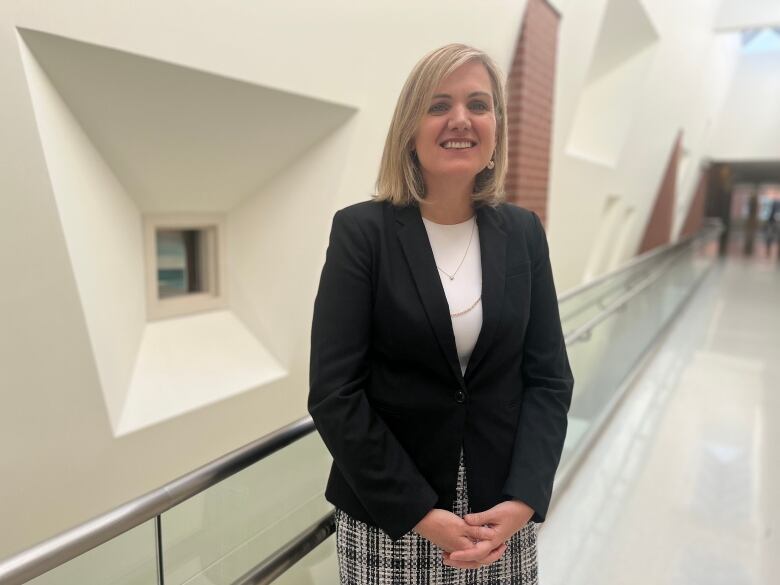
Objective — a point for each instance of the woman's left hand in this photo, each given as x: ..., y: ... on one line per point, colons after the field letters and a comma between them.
x: 505, y: 518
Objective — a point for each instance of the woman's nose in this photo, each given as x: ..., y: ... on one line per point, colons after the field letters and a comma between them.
x: 459, y: 119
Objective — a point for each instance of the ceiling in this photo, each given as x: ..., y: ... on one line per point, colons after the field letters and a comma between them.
x: 756, y: 172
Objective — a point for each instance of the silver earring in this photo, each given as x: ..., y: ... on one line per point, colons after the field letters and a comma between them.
x: 491, y: 165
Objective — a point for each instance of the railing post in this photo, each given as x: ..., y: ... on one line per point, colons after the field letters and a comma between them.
x: 159, y: 549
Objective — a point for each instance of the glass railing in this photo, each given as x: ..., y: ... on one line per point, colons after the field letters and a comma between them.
x: 128, y: 559
x: 611, y: 323
x: 223, y: 532
x: 259, y: 515
x: 213, y: 526
x: 220, y: 534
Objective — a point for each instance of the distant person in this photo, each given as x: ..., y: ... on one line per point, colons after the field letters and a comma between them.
x: 751, y: 224
x: 772, y: 226
x: 439, y: 378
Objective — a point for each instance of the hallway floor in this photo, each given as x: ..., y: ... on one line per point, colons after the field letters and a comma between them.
x: 684, y: 486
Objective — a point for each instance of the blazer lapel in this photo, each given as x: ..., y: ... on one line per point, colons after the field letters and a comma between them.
x: 419, y: 255
x: 492, y: 242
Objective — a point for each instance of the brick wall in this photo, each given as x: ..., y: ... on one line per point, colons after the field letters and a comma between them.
x: 659, y: 227
x: 530, y: 107
x: 693, y: 221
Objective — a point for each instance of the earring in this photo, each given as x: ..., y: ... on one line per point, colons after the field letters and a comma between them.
x: 491, y: 165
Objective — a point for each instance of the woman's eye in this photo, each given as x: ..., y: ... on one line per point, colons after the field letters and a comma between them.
x: 441, y: 107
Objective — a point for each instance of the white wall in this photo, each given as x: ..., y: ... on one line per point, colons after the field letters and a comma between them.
x: 749, y: 128
x: 57, y: 445
x: 684, y: 75
x: 741, y: 14
x: 59, y: 457
x: 100, y: 224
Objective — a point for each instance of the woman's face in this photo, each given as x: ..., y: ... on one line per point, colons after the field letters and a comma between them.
x: 457, y: 135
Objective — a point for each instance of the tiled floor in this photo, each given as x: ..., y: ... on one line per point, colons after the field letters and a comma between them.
x: 684, y: 486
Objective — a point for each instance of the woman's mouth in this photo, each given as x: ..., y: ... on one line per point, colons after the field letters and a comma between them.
x: 458, y: 144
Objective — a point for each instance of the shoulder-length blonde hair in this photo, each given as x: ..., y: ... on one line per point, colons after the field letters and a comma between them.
x: 400, y: 179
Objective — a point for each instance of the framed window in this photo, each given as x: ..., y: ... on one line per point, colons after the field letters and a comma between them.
x: 185, y: 265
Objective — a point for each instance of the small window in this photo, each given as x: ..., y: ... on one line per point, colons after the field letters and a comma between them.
x: 184, y: 271
x: 181, y: 262
x: 761, y: 40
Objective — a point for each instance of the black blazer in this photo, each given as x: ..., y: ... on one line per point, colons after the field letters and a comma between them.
x: 386, y: 390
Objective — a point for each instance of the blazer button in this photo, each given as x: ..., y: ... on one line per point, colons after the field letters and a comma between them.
x: 460, y: 396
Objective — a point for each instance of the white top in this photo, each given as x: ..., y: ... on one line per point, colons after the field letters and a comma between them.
x: 449, y: 243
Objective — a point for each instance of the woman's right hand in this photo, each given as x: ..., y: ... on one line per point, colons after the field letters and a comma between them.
x: 450, y: 532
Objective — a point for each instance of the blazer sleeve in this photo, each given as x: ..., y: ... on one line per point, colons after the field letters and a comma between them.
x: 548, y: 384
x: 375, y: 465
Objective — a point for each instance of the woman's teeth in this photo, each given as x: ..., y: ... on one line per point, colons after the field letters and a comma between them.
x: 452, y: 144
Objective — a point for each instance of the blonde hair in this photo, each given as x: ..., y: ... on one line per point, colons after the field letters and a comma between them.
x: 400, y: 179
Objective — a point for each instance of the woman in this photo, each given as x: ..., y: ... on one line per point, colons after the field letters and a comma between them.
x: 439, y: 379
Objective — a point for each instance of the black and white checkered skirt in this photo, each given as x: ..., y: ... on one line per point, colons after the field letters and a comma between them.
x: 367, y: 555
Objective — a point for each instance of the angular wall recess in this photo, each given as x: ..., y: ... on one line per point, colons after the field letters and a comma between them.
x: 179, y: 139
x: 603, y: 247
x: 125, y: 137
x: 192, y: 362
x: 622, y: 56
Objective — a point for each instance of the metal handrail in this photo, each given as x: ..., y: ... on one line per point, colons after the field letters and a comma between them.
x: 59, y: 549
x: 641, y: 259
x: 636, y: 266
x: 67, y: 545
x: 613, y: 284
x: 289, y: 554
x: 583, y: 331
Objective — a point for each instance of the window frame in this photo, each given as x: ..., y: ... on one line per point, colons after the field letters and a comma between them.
x: 214, y: 257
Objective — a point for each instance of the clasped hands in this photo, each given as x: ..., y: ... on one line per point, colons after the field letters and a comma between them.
x: 476, y: 539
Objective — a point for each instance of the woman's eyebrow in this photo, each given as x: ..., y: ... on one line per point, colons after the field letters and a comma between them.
x: 472, y: 94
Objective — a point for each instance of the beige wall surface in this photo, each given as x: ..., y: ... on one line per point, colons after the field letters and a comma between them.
x: 60, y: 457
x: 749, y: 128
x: 631, y: 74
x: 339, y: 66
x: 739, y: 14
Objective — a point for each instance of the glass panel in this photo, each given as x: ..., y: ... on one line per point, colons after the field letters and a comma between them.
x: 219, y: 535
x: 577, y: 310
x: 602, y: 362
x: 128, y: 559
x: 319, y: 567
x: 180, y: 262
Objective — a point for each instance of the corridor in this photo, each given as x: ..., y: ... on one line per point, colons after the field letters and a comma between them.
x: 683, y: 486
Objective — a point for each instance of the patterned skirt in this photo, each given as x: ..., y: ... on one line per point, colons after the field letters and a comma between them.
x: 367, y: 555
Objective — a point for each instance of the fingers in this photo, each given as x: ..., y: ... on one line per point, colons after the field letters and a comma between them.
x: 476, y: 519
x: 481, y: 533
x: 492, y: 557
x: 478, y: 551
x: 483, y: 538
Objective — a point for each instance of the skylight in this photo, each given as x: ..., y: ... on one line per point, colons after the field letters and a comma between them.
x: 761, y: 40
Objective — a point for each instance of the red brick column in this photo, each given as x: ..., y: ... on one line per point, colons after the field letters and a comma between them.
x: 693, y: 221
x: 530, y: 108
x: 659, y: 228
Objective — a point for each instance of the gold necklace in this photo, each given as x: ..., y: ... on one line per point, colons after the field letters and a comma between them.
x: 464, y: 311
x: 471, y: 237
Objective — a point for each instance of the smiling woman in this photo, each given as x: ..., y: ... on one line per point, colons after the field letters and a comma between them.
x: 455, y: 94
x: 457, y: 136
x: 439, y: 379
